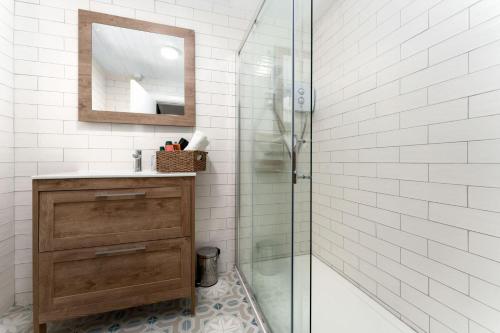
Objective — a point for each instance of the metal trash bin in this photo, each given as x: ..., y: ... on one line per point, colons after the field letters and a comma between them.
x: 206, y: 269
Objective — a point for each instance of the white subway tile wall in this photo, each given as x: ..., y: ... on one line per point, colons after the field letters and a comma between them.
x: 406, y: 194
x: 6, y: 154
x: 48, y: 137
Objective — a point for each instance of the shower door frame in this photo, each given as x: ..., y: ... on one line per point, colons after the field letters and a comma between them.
x: 244, y: 283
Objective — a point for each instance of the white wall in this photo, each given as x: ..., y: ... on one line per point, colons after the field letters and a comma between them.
x: 98, y: 86
x: 6, y: 155
x: 115, y: 92
x: 49, y: 138
x: 407, y: 156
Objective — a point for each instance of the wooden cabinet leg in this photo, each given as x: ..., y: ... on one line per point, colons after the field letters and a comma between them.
x: 39, y: 328
x: 193, y: 302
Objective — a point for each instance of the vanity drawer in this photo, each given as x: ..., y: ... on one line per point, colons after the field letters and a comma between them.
x: 92, y: 280
x: 85, y: 218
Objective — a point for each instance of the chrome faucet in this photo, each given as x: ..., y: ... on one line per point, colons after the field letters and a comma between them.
x: 137, y: 160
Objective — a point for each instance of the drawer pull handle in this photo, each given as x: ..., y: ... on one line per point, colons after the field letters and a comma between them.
x: 119, y: 195
x: 120, y: 251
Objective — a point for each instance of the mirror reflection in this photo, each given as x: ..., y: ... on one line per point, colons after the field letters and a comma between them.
x: 136, y: 71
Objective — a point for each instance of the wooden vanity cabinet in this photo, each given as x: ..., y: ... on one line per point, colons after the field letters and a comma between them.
x: 110, y: 243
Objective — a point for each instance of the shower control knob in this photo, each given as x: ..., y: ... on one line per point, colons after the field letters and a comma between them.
x: 301, y: 91
x: 301, y: 100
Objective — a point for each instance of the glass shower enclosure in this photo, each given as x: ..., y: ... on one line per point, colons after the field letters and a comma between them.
x: 275, y: 105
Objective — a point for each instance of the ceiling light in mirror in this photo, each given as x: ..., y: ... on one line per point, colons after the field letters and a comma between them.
x: 170, y: 53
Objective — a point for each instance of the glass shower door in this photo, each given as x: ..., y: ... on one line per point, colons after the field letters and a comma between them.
x: 274, y: 202
x: 302, y: 134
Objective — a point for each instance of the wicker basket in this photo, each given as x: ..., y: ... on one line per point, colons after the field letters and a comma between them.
x: 181, y: 161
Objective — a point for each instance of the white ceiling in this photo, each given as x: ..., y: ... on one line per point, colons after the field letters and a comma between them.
x: 131, y: 53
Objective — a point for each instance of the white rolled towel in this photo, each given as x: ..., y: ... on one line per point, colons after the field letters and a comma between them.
x: 199, y: 141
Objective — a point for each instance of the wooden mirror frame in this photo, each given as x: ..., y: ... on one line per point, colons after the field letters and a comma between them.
x: 85, y: 112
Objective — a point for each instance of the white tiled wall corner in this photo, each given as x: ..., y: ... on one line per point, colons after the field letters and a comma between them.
x: 49, y: 138
x: 406, y: 156
x: 6, y: 155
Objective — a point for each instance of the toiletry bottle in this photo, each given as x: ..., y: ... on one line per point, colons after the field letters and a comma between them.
x: 169, y: 146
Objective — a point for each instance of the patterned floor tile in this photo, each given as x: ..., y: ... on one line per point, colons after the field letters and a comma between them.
x: 222, y: 308
x: 224, y: 324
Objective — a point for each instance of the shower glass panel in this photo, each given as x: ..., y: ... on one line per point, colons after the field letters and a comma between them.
x: 275, y: 107
x: 302, y: 120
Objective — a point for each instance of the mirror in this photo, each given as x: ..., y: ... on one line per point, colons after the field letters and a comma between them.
x: 135, y: 72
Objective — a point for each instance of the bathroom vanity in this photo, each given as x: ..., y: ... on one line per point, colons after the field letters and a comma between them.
x: 107, y: 241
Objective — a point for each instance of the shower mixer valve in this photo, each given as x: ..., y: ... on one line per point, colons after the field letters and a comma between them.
x: 302, y: 97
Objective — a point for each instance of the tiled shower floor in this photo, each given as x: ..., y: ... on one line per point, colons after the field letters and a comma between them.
x: 222, y: 308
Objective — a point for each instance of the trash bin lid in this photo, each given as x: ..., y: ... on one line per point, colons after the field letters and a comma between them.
x: 208, y: 252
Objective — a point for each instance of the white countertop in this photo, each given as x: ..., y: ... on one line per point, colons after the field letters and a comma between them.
x: 113, y: 174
